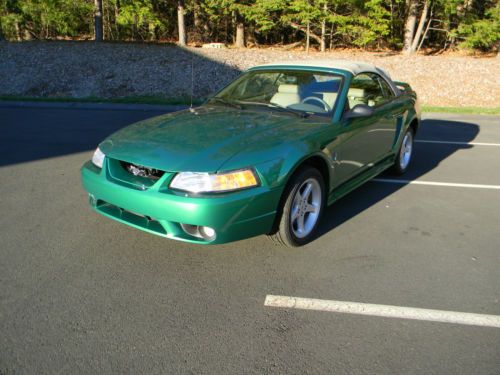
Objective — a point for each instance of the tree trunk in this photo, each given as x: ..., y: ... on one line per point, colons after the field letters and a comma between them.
x: 296, y: 26
x: 420, y: 28
x: 308, y: 32
x: 28, y: 36
x: 18, y: 31
x: 411, y: 21
x: 197, y: 21
x: 180, y: 23
x: 323, y: 30
x: 98, y: 29
x: 116, y: 14
x: 292, y: 45
x: 251, y: 37
x: 240, y: 32
x: 331, y: 38
x: 108, y: 32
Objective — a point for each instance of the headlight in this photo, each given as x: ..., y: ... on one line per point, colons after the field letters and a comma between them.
x: 98, y: 157
x: 205, y: 182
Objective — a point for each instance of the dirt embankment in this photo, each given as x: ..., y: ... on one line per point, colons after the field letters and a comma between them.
x: 83, y: 69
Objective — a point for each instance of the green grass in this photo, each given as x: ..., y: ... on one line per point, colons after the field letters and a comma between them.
x: 464, y: 110
x: 158, y: 100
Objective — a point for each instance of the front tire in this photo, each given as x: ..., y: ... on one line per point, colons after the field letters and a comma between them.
x: 304, y: 200
x: 403, y: 158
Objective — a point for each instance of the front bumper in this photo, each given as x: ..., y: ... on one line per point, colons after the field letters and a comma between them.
x: 158, y: 210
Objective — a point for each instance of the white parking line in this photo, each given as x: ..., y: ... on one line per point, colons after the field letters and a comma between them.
x: 434, y: 183
x: 386, y: 311
x: 458, y: 143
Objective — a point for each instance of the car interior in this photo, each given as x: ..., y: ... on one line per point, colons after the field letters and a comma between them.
x: 314, y: 94
x: 310, y: 92
x: 317, y: 96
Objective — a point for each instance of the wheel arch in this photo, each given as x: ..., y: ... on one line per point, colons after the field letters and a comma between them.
x: 321, y: 165
x: 316, y: 161
x: 414, y: 125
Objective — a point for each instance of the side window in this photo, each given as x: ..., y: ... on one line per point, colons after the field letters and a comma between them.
x: 388, y: 93
x: 365, y: 89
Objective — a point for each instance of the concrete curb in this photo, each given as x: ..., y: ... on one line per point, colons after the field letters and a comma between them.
x: 92, y: 106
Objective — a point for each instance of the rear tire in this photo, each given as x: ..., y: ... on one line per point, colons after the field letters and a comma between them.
x: 301, y: 210
x: 405, y: 153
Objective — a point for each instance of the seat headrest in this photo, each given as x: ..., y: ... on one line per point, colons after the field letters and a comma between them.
x: 356, y: 93
x: 288, y: 89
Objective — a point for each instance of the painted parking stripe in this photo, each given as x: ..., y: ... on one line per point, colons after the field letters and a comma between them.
x: 434, y: 183
x: 458, y: 143
x: 386, y: 311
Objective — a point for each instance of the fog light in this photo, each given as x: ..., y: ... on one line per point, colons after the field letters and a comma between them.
x: 207, y: 233
x: 92, y: 200
x: 192, y: 230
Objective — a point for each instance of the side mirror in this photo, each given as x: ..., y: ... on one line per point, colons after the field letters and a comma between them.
x: 359, y: 110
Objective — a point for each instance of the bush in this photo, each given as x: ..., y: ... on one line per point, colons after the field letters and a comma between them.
x: 483, y: 34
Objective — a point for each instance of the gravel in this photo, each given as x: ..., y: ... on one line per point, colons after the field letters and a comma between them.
x: 111, y: 70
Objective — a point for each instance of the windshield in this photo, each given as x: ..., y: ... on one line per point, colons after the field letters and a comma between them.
x: 297, y: 91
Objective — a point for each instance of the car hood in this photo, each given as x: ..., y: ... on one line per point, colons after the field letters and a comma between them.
x: 198, y: 140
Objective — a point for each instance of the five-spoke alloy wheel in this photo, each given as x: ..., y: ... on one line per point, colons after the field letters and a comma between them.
x: 304, y: 200
x: 305, y: 208
x: 403, y: 157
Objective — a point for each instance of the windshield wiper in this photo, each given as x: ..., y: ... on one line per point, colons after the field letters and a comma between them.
x: 290, y: 110
x: 281, y: 108
x: 226, y: 102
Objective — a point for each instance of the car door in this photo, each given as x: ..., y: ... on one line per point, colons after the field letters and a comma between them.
x: 361, y: 142
x: 392, y: 118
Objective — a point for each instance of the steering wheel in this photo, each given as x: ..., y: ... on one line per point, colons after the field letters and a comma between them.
x: 316, y: 99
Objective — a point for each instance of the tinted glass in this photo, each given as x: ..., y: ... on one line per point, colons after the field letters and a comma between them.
x: 309, y: 92
x: 388, y: 94
x: 365, y: 89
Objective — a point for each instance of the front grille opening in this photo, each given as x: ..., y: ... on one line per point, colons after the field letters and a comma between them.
x: 141, y: 171
x: 132, y: 218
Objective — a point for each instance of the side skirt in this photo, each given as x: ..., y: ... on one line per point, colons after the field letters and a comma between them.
x: 360, y: 179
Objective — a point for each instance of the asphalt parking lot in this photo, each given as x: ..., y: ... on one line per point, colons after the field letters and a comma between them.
x: 83, y: 294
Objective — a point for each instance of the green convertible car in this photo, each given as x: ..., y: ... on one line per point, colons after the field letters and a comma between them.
x: 264, y: 155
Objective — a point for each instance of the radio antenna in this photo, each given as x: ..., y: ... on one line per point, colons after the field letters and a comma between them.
x: 192, y: 81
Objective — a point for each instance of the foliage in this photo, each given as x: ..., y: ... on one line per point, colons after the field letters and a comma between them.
x: 362, y: 23
x: 266, y: 15
x: 350, y: 23
x: 137, y: 19
x: 43, y: 19
x: 483, y: 34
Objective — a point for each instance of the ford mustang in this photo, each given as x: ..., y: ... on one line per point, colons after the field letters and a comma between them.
x: 265, y: 155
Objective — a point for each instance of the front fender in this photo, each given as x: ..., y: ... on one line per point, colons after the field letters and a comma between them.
x: 277, y: 158
x: 276, y: 172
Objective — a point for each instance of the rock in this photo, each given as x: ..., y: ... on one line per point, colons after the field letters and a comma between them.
x: 81, y: 69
